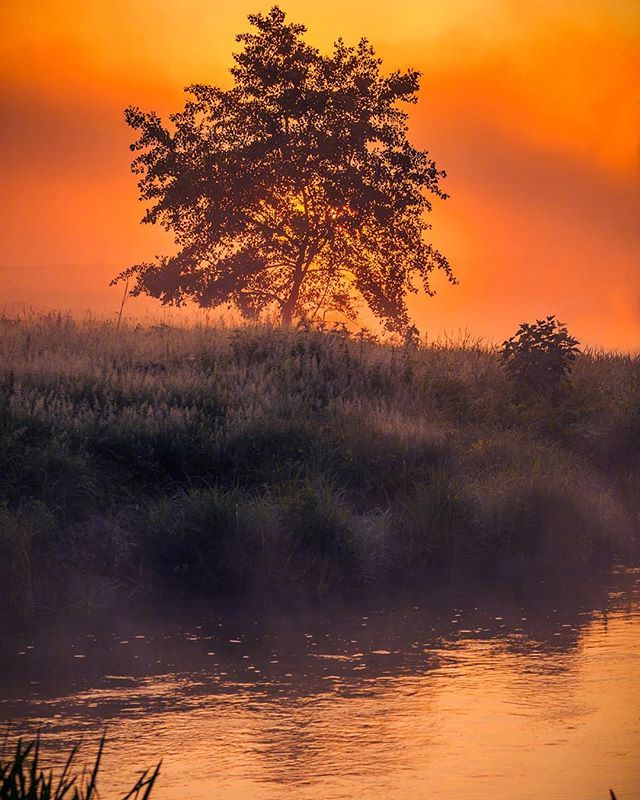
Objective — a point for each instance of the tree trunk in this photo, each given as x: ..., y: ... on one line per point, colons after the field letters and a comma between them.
x: 289, y: 306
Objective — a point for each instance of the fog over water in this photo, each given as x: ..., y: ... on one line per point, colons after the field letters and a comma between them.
x: 474, y: 695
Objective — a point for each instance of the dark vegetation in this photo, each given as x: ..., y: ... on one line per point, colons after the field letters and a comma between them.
x: 23, y: 777
x: 539, y: 358
x: 257, y: 459
x: 296, y: 191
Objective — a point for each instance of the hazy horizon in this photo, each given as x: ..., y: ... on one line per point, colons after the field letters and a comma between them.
x: 103, y: 302
x: 538, y: 137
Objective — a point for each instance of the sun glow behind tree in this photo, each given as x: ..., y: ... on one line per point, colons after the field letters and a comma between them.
x: 539, y: 139
x: 296, y: 190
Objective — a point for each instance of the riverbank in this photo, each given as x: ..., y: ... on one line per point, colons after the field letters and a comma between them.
x: 220, y: 461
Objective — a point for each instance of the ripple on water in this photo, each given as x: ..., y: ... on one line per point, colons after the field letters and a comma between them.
x: 471, y: 701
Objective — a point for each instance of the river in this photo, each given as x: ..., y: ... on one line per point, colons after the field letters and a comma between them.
x: 463, y: 693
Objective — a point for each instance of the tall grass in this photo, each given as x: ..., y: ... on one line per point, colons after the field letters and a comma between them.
x: 22, y: 776
x: 225, y: 459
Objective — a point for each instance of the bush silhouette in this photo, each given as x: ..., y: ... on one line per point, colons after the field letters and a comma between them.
x: 538, y: 358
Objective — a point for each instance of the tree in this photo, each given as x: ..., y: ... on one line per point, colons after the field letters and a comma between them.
x: 295, y: 190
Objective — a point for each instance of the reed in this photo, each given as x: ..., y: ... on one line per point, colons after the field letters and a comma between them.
x: 23, y: 777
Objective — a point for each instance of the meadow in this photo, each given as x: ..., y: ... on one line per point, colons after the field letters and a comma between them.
x: 222, y: 461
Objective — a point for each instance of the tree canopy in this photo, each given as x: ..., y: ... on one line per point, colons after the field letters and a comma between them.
x: 295, y: 190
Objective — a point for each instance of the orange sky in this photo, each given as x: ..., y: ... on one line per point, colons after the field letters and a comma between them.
x: 532, y: 106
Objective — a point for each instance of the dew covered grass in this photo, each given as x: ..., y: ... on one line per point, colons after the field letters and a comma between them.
x: 241, y: 460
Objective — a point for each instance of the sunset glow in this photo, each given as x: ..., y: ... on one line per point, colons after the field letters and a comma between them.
x: 533, y: 108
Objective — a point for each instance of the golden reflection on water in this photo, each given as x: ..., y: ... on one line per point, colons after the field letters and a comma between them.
x: 397, y: 704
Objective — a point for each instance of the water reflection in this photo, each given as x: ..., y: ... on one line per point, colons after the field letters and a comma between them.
x: 440, y: 698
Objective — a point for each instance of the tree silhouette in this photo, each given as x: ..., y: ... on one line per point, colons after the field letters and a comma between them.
x: 295, y: 190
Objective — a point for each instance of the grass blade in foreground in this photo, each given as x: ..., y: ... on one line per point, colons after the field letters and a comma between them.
x: 22, y: 777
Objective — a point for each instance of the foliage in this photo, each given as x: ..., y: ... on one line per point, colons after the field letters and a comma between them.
x: 319, y: 523
x: 539, y: 358
x: 296, y: 190
x: 194, y: 536
x: 258, y: 458
x: 22, y: 777
x: 16, y: 537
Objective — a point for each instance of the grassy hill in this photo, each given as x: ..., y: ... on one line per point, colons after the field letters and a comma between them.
x: 245, y: 460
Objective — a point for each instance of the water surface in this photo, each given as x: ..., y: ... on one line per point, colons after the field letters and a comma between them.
x: 460, y: 696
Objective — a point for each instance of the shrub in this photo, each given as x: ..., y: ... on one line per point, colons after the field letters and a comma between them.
x: 427, y: 519
x: 373, y: 456
x: 16, y: 541
x: 320, y: 527
x: 189, y: 538
x: 269, y: 450
x: 539, y: 358
x: 536, y: 503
